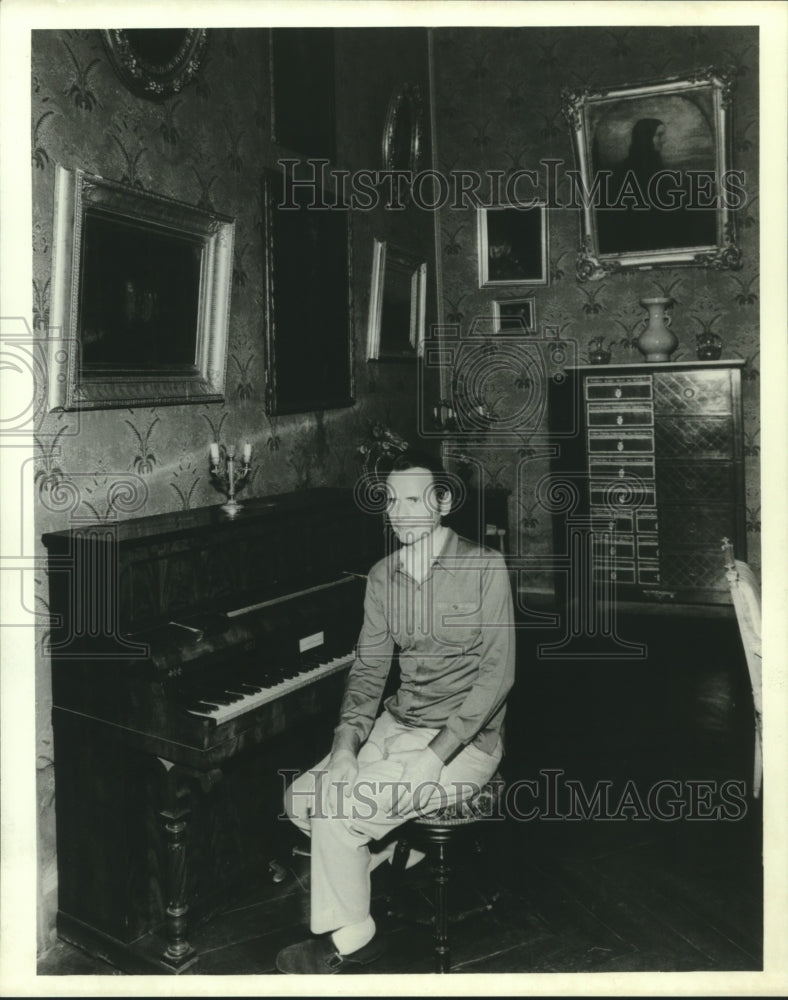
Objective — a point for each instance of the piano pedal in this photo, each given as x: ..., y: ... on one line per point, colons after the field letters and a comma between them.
x: 278, y: 872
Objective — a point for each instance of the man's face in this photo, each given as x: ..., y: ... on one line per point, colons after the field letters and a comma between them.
x: 413, y: 506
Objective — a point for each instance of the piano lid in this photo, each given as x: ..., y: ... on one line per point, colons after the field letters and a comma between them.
x: 177, y: 522
x: 124, y: 577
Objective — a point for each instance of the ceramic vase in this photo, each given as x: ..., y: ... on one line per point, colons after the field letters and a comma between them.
x: 657, y: 342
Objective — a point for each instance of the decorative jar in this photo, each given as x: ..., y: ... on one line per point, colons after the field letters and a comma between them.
x: 709, y: 346
x: 657, y: 341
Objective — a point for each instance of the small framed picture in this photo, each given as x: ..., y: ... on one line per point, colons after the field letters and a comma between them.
x: 512, y: 245
x: 514, y: 316
x: 395, y: 330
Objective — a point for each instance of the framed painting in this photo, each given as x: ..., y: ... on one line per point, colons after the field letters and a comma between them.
x: 397, y: 305
x: 308, y: 306
x: 140, y: 297
x: 512, y: 245
x: 655, y: 179
x: 303, y: 90
x: 514, y: 316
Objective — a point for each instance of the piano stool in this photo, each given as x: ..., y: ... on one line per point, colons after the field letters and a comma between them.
x: 436, y: 834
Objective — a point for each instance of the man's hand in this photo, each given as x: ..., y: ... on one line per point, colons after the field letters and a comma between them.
x: 342, y: 767
x: 419, y: 766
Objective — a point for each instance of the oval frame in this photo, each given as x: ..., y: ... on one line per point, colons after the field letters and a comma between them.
x: 155, y: 80
x: 410, y: 95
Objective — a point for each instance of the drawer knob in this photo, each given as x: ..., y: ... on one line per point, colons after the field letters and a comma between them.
x: 620, y: 446
x: 617, y: 394
x: 621, y: 473
x: 619, y: 419
x: 689, y: 393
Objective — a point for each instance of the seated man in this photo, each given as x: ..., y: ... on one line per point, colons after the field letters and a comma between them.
x: 447, y: 605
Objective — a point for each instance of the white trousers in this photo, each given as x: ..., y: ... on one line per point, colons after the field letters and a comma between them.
x: 341, y: 861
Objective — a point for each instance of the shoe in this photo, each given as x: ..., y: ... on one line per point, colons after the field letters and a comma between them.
x: 319, y: 956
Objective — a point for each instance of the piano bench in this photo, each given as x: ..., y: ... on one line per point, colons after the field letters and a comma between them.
x: 436, y: 833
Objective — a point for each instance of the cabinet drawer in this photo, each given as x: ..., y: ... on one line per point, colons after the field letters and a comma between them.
x: 691, y: 568
x: 621, y: 441
x: 705, y: 525
x: 646, y: 520
x: 694, y: 482
x: 621, y: 468
x: 618, y: 387
x: 603, y: 520
x: 623, y: 415
x: 694, y: 437
x: 692, y: 392
x: 648, y: 548
x: 620, y: 573
x: 618, y: 547
x: 612, y: 494
x: 648, y: 573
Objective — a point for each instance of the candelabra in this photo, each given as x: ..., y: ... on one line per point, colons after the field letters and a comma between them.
x: 227, y: 476
x: 468, y: 416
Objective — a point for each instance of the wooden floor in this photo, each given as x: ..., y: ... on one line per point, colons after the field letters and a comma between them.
x: 581, y: 896
x: 598, y: 895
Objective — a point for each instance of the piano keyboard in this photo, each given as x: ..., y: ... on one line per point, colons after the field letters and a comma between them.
x: 243, y: 697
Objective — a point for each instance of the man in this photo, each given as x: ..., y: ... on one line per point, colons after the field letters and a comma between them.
x: 446, y: 604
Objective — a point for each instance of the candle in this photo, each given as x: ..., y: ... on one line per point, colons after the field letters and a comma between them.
x: 214, y: 452
x: 247, y: 453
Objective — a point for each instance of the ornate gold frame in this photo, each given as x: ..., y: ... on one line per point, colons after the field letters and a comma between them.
x: 74, y: 386
x: 155, y: 80
x: 582, y: 109
x: 397, y: 155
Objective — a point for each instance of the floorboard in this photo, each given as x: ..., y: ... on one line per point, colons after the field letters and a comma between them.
x: 593, y: 900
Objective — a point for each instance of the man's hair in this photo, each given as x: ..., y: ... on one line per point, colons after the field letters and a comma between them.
x: 413, y: 459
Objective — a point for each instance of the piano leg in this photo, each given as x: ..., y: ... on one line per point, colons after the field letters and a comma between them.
x: 175, y: 815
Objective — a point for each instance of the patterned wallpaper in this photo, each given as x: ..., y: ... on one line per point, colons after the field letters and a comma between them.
x: 206, y: 146
x: 498, y: 107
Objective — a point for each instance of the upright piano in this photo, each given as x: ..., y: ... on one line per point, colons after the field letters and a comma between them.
x: 181, y: 644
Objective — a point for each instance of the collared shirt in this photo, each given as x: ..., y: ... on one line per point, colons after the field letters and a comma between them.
x: 455, y: 635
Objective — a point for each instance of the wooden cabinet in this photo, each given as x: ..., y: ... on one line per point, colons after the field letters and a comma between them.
x: 653, y: 455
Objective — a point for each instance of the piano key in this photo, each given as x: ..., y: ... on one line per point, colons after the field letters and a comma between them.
x: 222, y: 698
x: 223, y: 713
